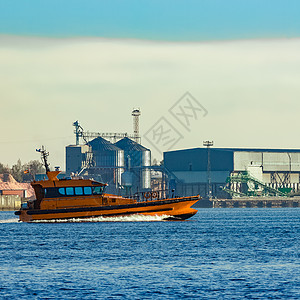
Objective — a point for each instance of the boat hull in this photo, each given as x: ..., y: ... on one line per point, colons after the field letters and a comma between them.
x: 169, y: 209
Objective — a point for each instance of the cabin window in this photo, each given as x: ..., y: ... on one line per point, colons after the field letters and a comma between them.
x: 56, y: 192
x: 78, y: 190
x: 62, y: 191
x: 51, y: 192
x: 87, y: 190
x: 70, y: 191
x: 97, y: 190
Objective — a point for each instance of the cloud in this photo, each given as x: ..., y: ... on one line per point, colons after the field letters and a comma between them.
x: 250, y: 89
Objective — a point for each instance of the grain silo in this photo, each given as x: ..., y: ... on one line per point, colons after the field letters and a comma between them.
x: 108, y: 159
x: 137, y: 160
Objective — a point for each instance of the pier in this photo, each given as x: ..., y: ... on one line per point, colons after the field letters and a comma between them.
x: 271, y: 202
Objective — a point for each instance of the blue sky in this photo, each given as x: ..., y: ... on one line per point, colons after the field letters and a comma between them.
x: 155, y: 20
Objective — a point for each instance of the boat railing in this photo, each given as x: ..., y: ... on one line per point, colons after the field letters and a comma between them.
x: 153, y: 195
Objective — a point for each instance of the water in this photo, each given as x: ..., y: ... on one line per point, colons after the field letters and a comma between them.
x: 218, y: 254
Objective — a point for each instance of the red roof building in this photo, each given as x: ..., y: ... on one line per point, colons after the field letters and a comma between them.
x: 9, y: 186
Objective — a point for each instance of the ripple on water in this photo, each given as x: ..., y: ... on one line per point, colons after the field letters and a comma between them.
x: 220, y: 254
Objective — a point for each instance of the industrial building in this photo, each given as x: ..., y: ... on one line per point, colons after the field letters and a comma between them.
x: 211, y: 172
x: 118, y: 159
x: 234, y: 172
x: 123, y: 165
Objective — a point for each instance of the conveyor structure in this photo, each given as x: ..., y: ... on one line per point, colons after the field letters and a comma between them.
x: 243, y: 184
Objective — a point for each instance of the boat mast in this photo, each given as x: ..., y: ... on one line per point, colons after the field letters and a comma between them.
x: 44, y: 155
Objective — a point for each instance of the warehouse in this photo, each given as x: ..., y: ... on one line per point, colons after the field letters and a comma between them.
x: 233, y: 171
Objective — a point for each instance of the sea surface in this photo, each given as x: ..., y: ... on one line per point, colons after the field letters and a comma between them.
x: 217, y: 254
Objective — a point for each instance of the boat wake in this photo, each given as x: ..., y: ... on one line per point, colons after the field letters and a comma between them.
x: 9, y: 221
x: 132, y: 218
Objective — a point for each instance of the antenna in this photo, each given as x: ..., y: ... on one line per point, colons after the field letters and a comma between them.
x: 136, y: 124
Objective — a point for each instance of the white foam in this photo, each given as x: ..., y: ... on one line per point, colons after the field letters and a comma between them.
x: 131, y: 218
x: 9, y: 221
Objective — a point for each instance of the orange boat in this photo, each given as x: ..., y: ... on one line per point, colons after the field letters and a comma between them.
x: 63, y: 199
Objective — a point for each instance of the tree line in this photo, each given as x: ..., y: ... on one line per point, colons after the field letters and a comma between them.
x: 23, y: 172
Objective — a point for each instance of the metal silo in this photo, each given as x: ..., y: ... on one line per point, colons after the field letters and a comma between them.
x: 137, y: 159
x: 146, y: 173
x: 109, y: 160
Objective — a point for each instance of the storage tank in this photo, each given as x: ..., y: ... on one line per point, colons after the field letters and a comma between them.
x: 109, y: 160
x: 138, y: 160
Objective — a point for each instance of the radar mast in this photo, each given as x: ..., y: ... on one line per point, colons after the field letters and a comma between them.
x: 44, y: 155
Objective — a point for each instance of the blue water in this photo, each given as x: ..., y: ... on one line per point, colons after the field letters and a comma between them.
x: 218, y: 254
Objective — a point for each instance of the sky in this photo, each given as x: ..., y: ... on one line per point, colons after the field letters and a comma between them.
x: 226, y: 71
x: 176, y: 20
